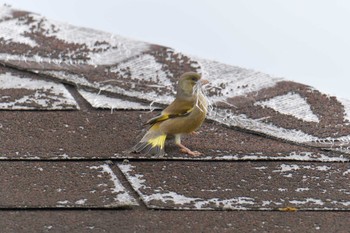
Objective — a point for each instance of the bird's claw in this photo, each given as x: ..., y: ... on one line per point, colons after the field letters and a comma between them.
x: 194, y: 133
x: 189, y: 152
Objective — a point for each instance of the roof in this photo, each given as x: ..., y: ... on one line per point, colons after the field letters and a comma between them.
x: 74, y: 100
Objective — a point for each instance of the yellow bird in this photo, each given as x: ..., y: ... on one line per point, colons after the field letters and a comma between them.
x: 183, y: 116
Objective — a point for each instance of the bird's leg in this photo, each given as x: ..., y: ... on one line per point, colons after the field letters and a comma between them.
x: 183, y: 148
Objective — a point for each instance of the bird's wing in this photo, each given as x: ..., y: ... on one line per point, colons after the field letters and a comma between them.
x: 178, y: 108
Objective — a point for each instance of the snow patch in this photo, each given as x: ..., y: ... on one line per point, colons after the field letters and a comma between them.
x: 151, y: 96
x: 322, y: 168
x: 239, y: 203
x: 242, y: 121
x: 81, y: 202
x: 114, y: 49
x: 291, y: 104
x: 346, y: 172
x: 233, y: 80
x: 293, y: 167
x: 47, y: 94
x: 302, y: 189
x: 13, y: 30
x: 63, y: 202
x: 104, y: 48
x: 122, y: 195
x: 5, y: 12
x: 287, y: 168
x: 179, y: 200
x: 346, y: 104
x: 260, y: 168
x: 229, y: 118
x: 308, y: 201
x: 136, y: 180
x: 144, y: 67
x: 102, y: 101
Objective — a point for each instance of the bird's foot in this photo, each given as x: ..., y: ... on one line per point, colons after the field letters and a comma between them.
x: 189, y: 152
x: 194, y: 133
x: 185, y: 150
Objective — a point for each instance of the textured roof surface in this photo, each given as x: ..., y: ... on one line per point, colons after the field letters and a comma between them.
x: 73, y: 101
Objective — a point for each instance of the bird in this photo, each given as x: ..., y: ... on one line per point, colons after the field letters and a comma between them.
x: 183, y: 116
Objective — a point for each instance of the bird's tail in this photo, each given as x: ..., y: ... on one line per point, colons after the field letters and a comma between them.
x: 152, y: 143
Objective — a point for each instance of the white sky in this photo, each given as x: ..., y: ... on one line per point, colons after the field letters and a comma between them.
x: 306, y: 41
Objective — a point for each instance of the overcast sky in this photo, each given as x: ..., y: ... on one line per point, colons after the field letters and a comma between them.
x: 305, y: 41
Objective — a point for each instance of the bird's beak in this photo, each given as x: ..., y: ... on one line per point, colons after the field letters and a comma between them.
x: 204, y: 81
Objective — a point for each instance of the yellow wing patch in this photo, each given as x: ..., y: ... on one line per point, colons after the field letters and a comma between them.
x: 167, y: 116
x: 157, y: 119
x: 158, y: 141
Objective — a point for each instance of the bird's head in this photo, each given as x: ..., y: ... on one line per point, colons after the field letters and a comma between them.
x: 187, y: 82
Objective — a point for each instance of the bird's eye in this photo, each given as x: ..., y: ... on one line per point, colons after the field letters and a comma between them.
x: 194, y: 79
